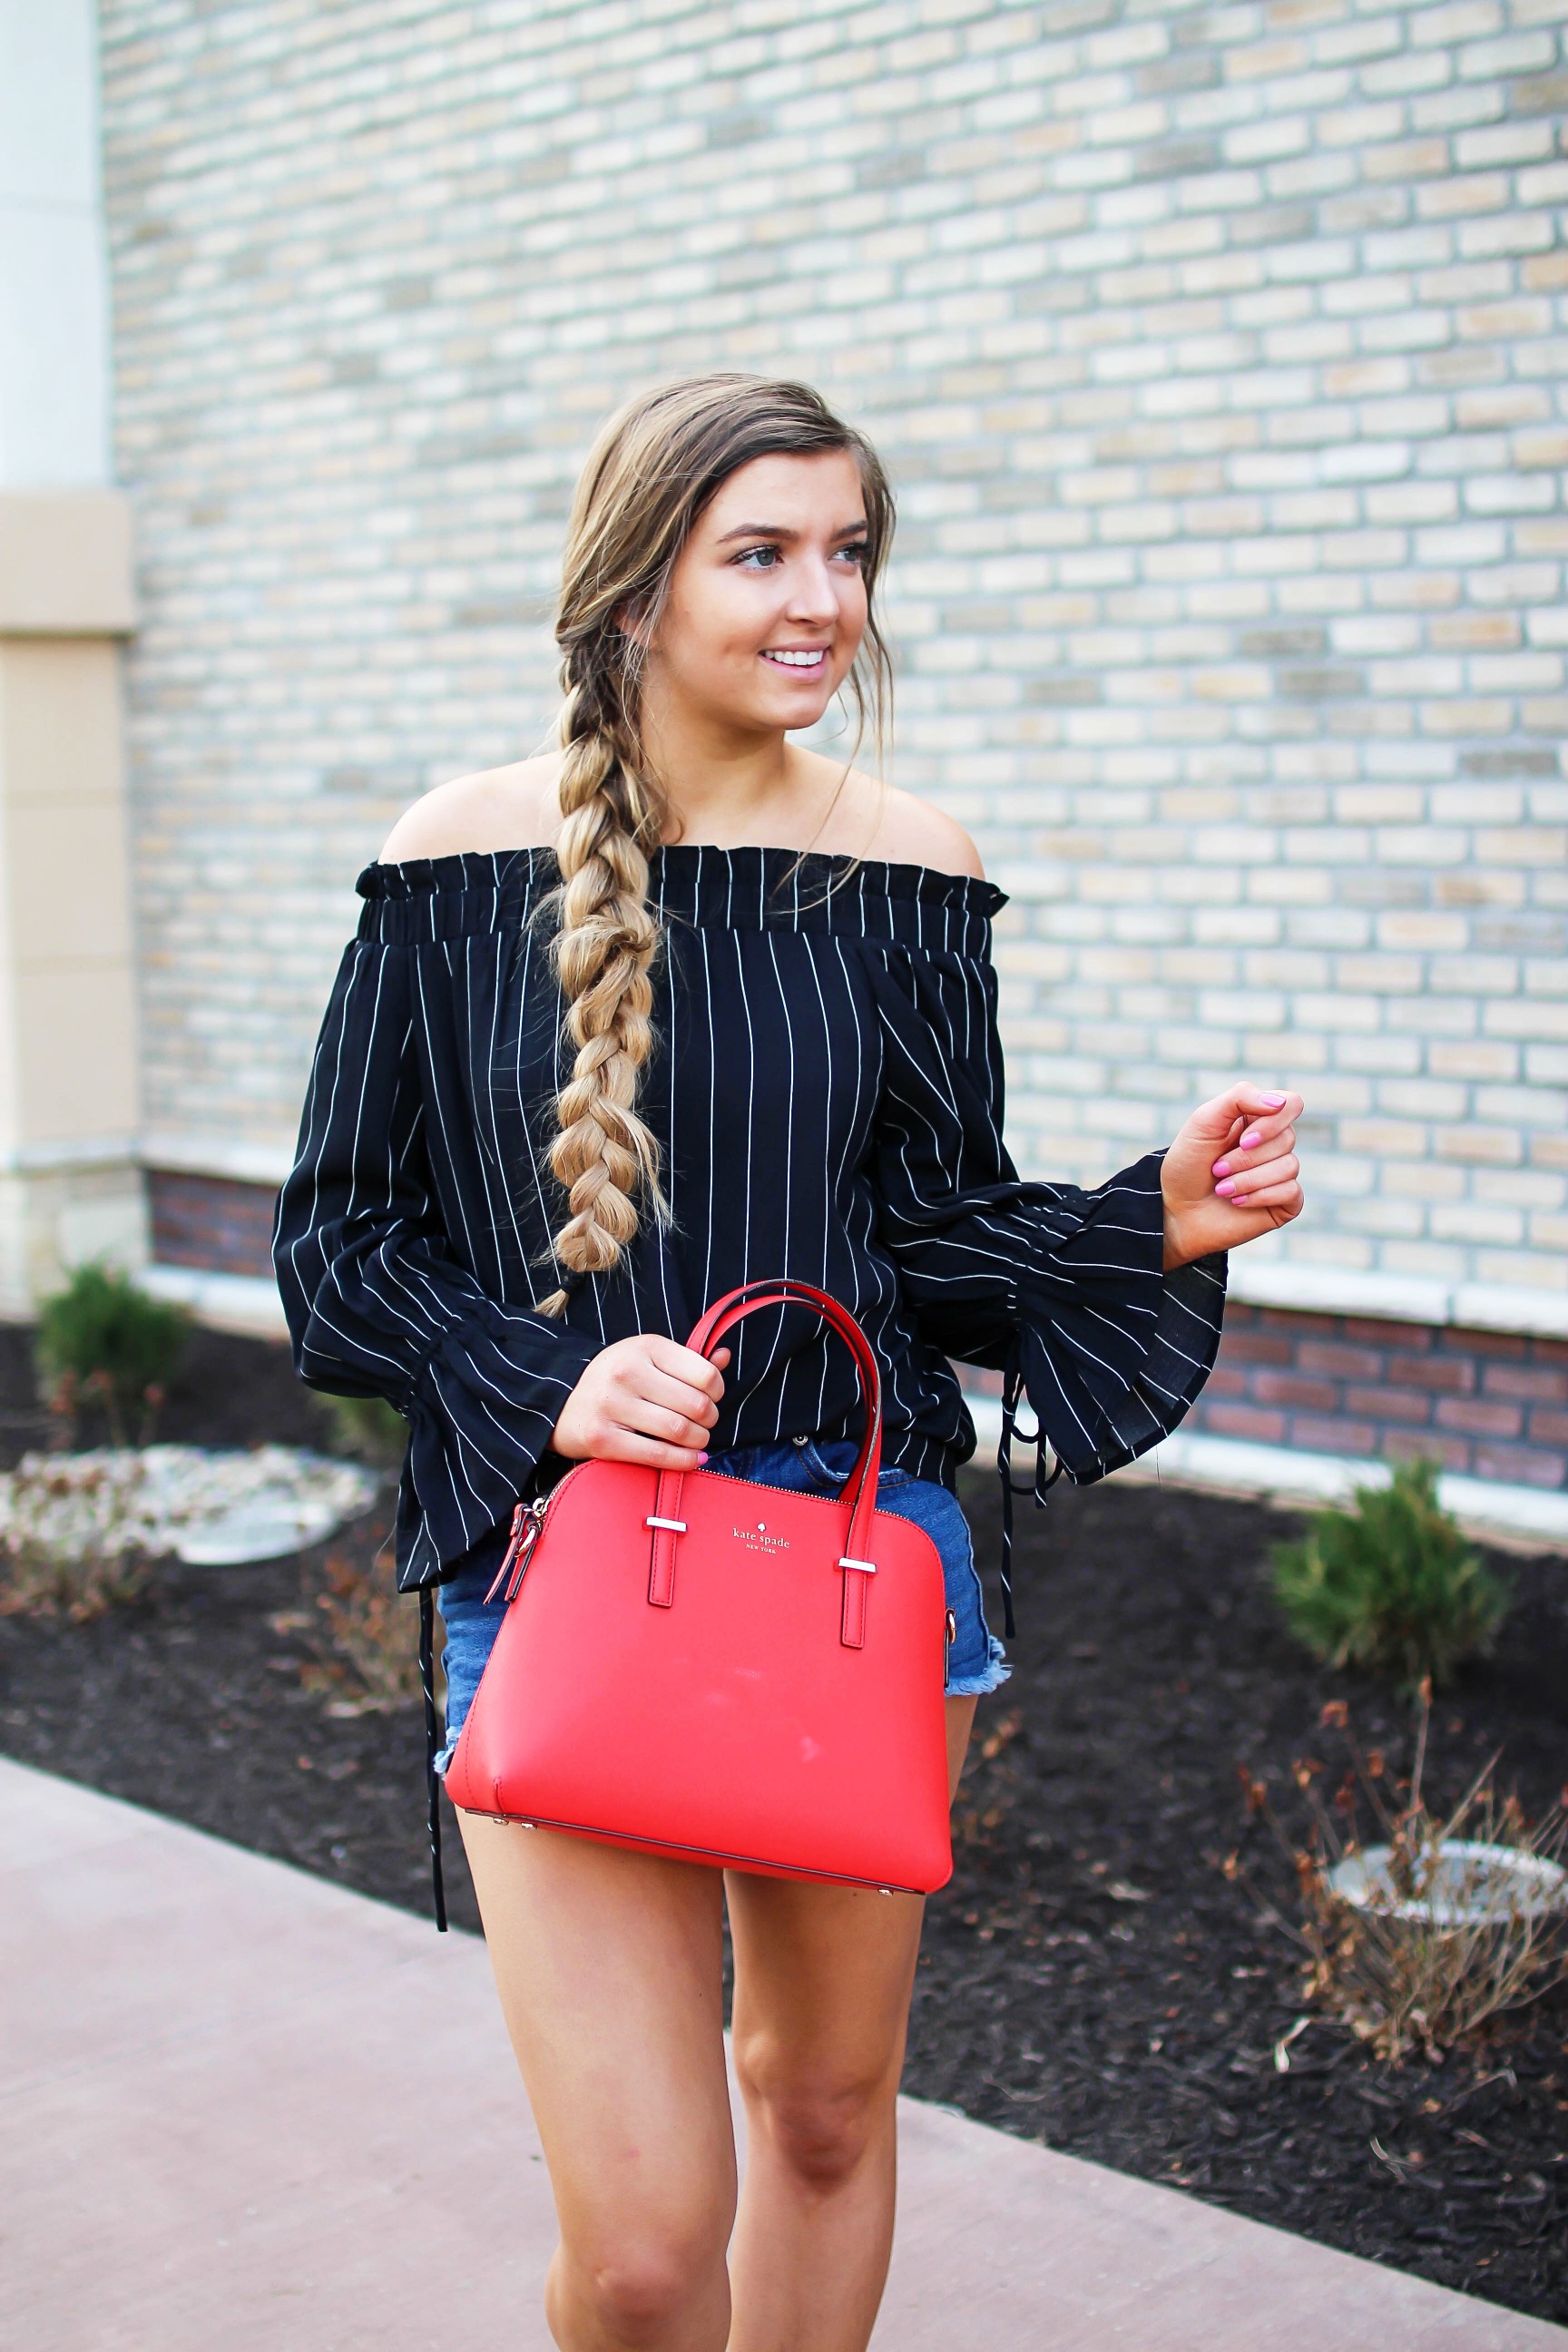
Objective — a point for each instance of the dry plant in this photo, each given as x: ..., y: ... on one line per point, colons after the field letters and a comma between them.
x: 37, y: 1581
x: 1417, y: 1964
x: 371, y: 1659
x: 73, y: 1542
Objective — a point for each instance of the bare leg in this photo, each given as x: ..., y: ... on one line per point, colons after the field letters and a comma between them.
x: 609, y: 1968
x: 823, y: 1979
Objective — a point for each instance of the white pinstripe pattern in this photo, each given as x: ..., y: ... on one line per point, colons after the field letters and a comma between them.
x: 827, y: 1085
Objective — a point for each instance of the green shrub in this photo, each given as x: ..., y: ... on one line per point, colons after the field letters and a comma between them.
x: 368, y: 1428
x: 1392, y: 1585
x: 101, y: 1340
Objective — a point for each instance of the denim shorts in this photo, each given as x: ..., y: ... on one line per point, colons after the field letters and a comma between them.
x: 976, y: 1663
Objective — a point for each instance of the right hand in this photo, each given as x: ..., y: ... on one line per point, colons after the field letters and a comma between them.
x: 646, y: 1399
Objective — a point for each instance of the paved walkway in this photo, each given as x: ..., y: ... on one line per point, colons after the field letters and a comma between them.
x: 241, y: 2108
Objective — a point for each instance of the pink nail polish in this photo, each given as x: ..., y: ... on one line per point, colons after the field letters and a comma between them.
x: 1220, y: 1168
x: 701, y: 1460
x: 1275, y: 1102
x: 1251, y: 1140
x: 1226, y: 1189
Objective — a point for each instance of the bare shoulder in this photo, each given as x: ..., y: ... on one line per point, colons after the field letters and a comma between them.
x: 925, y: 834
x: 870, y: 819
x: 515, y: 808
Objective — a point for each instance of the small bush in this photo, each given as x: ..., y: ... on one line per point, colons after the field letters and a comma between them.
x: 1391, y: 1586
x: 365, y: 1637
x: 102, y: 1340
x: 369, y: 1428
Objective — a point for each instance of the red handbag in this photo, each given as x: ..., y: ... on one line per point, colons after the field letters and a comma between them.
x: 723, y: 1672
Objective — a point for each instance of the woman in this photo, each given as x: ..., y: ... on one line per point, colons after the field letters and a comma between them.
x: 780, y: 1056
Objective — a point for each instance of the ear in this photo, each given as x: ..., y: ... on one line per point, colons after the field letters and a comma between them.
x: 631, y: 620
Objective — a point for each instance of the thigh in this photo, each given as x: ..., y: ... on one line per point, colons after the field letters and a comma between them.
x: 609, y: 1966
x: 824, y: 1974
x: 823, y: 1979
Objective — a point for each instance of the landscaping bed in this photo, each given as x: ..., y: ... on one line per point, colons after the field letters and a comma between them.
x: 1091, y: 1976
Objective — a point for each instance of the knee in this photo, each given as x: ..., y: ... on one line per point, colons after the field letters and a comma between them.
x: 820, y: 2123
x: 640, y: 2295
x: 646, y: 2292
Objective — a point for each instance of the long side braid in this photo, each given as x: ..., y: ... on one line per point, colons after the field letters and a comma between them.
x: 602, y: 951
x: 650, y: 474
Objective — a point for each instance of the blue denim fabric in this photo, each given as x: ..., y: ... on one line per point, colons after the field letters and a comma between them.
x: 976, y: 1664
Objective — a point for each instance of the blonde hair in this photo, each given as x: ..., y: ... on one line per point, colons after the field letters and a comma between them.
x: 652, y: 471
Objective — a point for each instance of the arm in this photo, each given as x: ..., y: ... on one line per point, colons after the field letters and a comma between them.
x: 1065, y: 1290
x: 375, y: 1301
x: 378, y: 1306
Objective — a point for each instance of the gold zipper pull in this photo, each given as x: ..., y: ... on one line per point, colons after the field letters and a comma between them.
x: 526, y: 1522
x: 535, y: 1521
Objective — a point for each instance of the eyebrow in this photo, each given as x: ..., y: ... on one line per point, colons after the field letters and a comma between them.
x: 779, y: 530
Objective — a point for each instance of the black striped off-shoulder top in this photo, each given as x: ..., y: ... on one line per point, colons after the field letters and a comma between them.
x: 826, y: 1084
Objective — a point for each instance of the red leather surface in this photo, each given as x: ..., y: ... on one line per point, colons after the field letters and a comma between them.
x: 730, y: 1693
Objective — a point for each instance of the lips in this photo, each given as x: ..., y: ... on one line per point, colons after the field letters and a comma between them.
x: 805, y: 659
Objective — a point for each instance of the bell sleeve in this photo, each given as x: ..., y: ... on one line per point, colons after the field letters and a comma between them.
x: 1060, y: 1288
x: 377, y: 1302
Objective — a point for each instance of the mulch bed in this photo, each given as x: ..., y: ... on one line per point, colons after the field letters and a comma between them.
x: 1089, y: 1978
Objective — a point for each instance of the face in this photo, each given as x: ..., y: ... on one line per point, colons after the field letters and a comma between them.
x: 767, y: 602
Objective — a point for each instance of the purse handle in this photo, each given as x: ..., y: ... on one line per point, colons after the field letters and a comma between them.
x: 782, y: 1291
x: 706, y: 1333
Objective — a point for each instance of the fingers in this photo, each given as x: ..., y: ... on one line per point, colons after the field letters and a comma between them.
x: 645, y: 1399
x: 1282, y: 1201
x: 665, y: 1394
x: 1239, y: 1174
x: 685, y: 1364
x: 634, y: 1447
x: 1261, y: 1129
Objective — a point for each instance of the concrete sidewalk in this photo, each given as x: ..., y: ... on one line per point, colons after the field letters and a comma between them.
x: 241, y: 2108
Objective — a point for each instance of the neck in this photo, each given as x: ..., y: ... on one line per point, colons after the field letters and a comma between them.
x: 722, y: 784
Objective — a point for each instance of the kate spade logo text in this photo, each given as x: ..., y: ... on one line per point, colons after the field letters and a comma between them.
x: 759, y: 1540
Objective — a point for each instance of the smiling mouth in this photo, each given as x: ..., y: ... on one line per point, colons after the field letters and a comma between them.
x: 804, y: 658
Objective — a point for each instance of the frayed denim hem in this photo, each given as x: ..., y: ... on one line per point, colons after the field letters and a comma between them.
x: 978, y: 1685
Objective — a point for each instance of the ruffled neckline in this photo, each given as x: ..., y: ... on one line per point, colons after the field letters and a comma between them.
x: 689, y: 876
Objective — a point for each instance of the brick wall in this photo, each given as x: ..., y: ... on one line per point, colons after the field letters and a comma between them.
x: 211, y: 1223
x: 1218, y: 355
x: 1491, y: 1404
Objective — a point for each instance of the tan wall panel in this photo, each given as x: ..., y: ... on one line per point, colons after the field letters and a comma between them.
x: 68, y: 888
x: 65, y: 563
x: 10, y: 1110
x: 61, y: 720
x: 76, y: 1051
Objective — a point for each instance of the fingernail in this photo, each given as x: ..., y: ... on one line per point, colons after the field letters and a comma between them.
x: 701, y: 1460
x: 1225, y: 1190
x: 1220, y: 1168
x: 1251, y: 1140
x: 1275, y: 1102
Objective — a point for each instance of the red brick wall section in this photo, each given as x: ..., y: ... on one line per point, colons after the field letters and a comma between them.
x: 1489, y: 1404
x: 211, y: 1222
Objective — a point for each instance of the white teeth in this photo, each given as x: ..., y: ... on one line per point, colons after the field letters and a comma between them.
x: 796, y: 661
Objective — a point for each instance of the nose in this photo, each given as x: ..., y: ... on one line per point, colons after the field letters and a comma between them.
x: 813, y: 599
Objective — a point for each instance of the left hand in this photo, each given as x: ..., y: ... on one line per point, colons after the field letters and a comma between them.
x: 1231, y: 1173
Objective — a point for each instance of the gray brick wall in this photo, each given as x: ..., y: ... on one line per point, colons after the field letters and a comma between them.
x: 1219, y: 354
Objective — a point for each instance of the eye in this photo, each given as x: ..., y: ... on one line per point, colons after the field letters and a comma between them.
x: 771, y: 552
x: 857, y: 554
